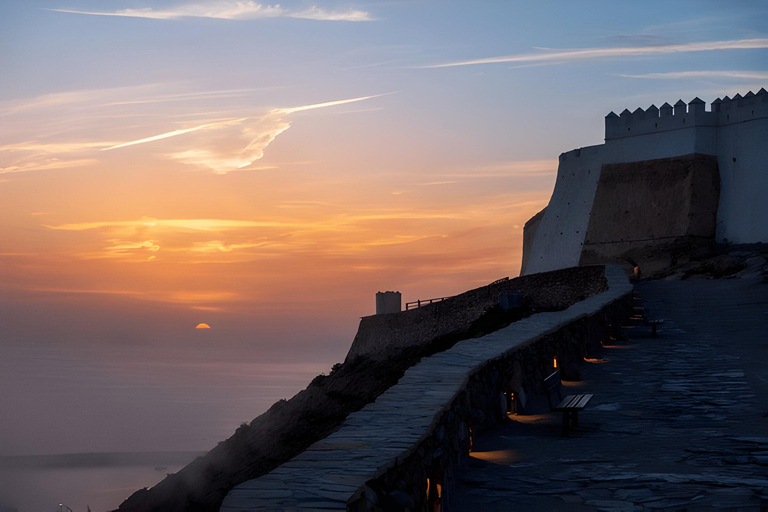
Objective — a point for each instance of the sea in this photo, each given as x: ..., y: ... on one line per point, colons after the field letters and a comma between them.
x: 85, y: 424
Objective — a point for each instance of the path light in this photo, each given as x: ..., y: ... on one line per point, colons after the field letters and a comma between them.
x: 434, y: 495
x: 509, y: 397
x: 554, y: 363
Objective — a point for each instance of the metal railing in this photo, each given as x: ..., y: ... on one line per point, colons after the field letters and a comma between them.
x: 418, y: 303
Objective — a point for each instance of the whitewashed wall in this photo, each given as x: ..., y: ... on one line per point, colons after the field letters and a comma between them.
x: 734, y: 129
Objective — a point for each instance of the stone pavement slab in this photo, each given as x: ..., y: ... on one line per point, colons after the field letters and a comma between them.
x: 677, y: 422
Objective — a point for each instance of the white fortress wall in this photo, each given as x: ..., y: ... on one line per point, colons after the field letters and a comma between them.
x: 734, y: 129
x: 560, y: 235
x: 742, y: 215
x: 660, y: 133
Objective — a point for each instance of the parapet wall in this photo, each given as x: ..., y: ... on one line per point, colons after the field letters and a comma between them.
x: 723, y: 112
x: 386, y: 336
x: 381, y: 457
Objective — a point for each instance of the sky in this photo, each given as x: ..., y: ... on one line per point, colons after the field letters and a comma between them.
x: 266, y: 169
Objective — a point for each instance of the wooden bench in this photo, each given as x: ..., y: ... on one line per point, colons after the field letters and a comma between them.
x: 649, y: 319
x: 569, y: 406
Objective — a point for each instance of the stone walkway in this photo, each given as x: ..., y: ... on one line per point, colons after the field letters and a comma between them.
x: 679, y: 422
x: 328, y: 474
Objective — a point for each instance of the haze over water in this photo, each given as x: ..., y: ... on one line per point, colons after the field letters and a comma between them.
x: 267, y: 169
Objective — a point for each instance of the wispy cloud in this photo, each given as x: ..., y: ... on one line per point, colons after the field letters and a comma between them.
x: 108, y: 97
x: 232, y: 10
x: 174, y: 133
x: 122, y: 248
x: 678, y: 75
x: 234, y: 144
x: 215, y: 246
x: 325, y: 104
x: 172, y: 224
x: 36, y: 156
x: 180, y: 297
x: 45, y: 164
x: 554, y: 56
x: 220, y: 145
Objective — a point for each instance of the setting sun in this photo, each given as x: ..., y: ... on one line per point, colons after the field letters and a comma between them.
x: 203, y: 326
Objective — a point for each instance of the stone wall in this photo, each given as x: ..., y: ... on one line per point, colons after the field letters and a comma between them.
x: 529, y: 234
x: 654, y: 213
x: 385, y: 336
x: 481, y: 405
x: 560, y: 233
x: 380, y: 459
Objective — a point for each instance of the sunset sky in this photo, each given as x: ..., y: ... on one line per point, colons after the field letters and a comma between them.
x: 267, y: 169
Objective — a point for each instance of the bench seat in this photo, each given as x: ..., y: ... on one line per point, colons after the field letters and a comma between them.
x: 651, y: 320
x: 570, y: 407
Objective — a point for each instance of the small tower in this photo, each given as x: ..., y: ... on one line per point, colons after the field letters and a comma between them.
x: 388, y: 302
x: 680, y: 108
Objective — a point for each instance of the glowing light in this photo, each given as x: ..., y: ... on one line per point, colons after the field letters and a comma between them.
x: 203, y: 326
x: 554, y: 363
x: 502, y: 457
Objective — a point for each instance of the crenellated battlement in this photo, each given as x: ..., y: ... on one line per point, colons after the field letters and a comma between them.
x: 683, y: 116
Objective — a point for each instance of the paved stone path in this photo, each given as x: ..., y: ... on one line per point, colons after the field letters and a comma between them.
x: 679, y: 422
x: 370, y: 440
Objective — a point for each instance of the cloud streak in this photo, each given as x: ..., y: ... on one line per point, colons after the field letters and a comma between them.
x: 226, y: 143
x: 234, y: 144
x: 37, y: 156
x: 325, y: 104
x: 681, y: 75
x: 553, y: 56
x: 174, y: 133
x: 231, y: 10
x: 172, y: 224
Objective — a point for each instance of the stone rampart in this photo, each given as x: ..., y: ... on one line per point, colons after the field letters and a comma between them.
x: 655, y: 214
x: 385, y: 336
x: 529, y: 235
x: 383, y: 455
x: 683, y: 116
x: 734, y: 131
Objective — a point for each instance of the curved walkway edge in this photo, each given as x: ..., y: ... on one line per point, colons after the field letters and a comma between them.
x: 328, y: 474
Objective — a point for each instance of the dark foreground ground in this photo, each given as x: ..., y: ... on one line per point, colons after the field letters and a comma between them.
x: 679, y: 422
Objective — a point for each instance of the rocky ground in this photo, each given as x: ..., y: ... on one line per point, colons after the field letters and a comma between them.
x: 748, y: 261
x: 677, y: 422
